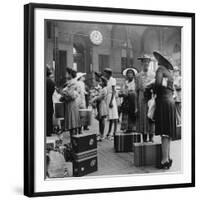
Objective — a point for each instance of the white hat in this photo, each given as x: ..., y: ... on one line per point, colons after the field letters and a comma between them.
x: 144, y: 57
x: 79, y: 75
x: 131, y: 69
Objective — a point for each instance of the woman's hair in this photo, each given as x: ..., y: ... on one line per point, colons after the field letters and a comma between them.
x: 48, y: 72
x: 104, y: 81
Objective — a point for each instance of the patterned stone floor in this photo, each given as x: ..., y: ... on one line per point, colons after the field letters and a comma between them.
x: 111, y: 163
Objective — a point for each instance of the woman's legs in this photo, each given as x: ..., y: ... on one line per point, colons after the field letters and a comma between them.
x: 165, y: 149
x: 110, y: 127
x: 115, y: 126
x: 102, y: 126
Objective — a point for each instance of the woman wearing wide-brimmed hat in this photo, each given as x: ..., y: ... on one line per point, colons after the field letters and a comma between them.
x: 165, y: 113
x: 144, y: 81
x: 129, y: 104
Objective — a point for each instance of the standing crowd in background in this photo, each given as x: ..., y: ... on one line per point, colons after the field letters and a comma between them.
x: 148, y: 102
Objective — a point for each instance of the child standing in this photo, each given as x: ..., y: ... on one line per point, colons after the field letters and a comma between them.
x: 100, y: 99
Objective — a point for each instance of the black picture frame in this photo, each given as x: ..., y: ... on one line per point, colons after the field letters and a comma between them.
x: 29, y: 93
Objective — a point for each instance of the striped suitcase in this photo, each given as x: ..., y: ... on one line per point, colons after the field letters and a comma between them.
x: 123, y: 142
x: 85, y: 163
x: 147, y: 154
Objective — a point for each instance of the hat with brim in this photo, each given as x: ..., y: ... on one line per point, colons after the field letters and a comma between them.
x: 79, y: 75
x: 162, y: 60
x: 71, y: 71
x: 129, y: 69
x: 108, y: 70
x: 145, y: 57
x: 98, y: 74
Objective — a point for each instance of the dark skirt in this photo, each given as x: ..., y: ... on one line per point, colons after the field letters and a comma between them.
x: 165, y: 116
x: 128, y: 122
x: 178, y: 113
x: 128, y: 113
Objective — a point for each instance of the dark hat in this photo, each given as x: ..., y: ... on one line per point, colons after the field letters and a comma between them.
x: 71, y: 71
x: 144, y: 57
x: 98, y: 74
x: 162, y: 60
x: 109, y: 70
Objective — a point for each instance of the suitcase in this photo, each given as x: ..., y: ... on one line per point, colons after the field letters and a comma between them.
x: 59, y: 110
x: 85, y: 166
x: 84, y: 142
x: 85, y: 116
x: 147, y: 154
x: 123, y: 142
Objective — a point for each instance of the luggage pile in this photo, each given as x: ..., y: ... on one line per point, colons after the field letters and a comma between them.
x: 84, y: 154
x: 144, y: 153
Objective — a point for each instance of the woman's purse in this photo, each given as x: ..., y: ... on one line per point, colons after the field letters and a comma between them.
x: 151, y: 108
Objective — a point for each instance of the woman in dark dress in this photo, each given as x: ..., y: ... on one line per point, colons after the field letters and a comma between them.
x: 129, y: 104
x: 165, y: 113
x: 49, y: 106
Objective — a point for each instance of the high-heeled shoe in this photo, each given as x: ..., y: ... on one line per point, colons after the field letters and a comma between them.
x: 165, y: 165
x: 170, y: 162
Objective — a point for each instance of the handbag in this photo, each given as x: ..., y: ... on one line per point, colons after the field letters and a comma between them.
x: 151, y: 108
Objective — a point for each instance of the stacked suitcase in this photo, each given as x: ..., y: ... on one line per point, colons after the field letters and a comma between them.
x: 123, y: 142
x: 84, y: 154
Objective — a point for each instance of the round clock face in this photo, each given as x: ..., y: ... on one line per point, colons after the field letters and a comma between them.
x: 96, y: 37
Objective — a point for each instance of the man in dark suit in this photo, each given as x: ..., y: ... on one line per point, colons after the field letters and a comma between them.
x: 50, y: 87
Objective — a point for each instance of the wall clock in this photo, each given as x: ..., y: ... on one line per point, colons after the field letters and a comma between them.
x: 96, y: 37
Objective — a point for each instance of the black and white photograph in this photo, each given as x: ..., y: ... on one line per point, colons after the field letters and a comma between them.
x: 113, y: 99
x: 109, y: 100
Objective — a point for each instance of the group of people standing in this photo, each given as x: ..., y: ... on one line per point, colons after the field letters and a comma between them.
x: 135, y: 93
x: 137, y: 90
